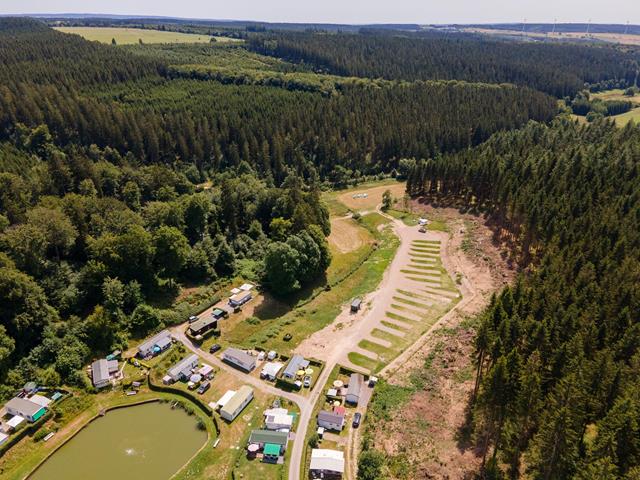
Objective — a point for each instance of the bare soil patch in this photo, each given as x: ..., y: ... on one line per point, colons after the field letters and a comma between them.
x: 373, y: 198
x: 346, y: 235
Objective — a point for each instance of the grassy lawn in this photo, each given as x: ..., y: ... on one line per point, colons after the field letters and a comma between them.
x: 623, y: 119
x: 340, y: 202
x: 363, y: 361
x: 410, y: 219
x: 128, y: 36
x: 322, y: 310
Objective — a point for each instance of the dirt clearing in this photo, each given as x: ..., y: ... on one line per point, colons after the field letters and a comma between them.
x: 346, y: 235
x: 356, y: 199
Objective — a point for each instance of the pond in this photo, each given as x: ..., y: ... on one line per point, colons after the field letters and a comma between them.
x: 145, y: 441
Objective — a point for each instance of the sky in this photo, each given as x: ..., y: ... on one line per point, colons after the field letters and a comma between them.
x: 350, y: 11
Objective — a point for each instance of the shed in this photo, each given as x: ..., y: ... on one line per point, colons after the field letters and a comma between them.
x: 236, y: 404
x: 353, y: 391
x: 296, y: 363
x: 271, y: 449
x: 14, y: 421
x: 239, y: 358
x: 270, y: 370
x: 245, y: 287
x: 206, y: 371
x: 219, y: 313
x: 183, y: 368
x: 356, y: 304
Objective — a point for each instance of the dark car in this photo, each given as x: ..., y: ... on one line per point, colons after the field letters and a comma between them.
x: 204, y: 386
x: 214, y: 348
x: 356, y: 420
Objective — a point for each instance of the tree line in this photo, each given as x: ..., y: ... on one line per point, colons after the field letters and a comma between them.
x: 558, y: 352
x: 559, y: 70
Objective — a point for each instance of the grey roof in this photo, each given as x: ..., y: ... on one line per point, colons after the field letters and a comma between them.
x: 297, y: 362
x: 201, y: 323
x: 330, y: 417
x: 149, y: 344
x: 237, y: 356
x: 182, y: 365
x: 24, y: 406
x: 100, y: 371
x: 269, y: 436
x: 355, y: 384
x: 163, y: 342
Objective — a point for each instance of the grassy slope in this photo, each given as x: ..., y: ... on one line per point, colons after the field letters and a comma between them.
x: 127, y: 36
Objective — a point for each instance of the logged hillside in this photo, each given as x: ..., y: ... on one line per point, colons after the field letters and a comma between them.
x: 124, y: 101
x: 559, y: 70
x: 558, y: 353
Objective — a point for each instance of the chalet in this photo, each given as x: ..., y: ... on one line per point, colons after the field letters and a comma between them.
x: 355, y: 386
x: 236, y: 404
x: 326, y: 464
x: 25, y: 408
x: 270, y: 370
x: 330, y: 420
x: 239, y: 299
x: 155, y: 345
x: 203, y: 325
x: 101, y: 372
x: 240, y: 359
x: 265, y: 437
x: 282, y: 422
x: 183, y: 369
x: 296, y: 363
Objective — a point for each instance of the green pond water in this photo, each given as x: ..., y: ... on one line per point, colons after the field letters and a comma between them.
x: 146, y: 441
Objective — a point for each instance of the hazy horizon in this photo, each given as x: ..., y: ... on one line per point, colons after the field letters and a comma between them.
x: 347, y: 12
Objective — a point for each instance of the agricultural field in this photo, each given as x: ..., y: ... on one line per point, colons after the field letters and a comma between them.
x: 128, y: 36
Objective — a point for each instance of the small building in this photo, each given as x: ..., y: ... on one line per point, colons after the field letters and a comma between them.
x: 279, y: 421
x: 202, y: 326
x: 25, y: 408
x: 296, y: 363
x: 182, y: 370
x: 246, y: 287
x: 219, y: 313
x: 236, y: 404
x: 264, y: 437
x: 239, y: 358
x: 3, y: 438
x: 239, y: 299
x: 156, y: 344
x: 270, y: 370
x: 101, y: 372
x: 326, y: 464
x: 225, y: 398
x: 206, y: 371
x: 330, y: 420
x: 11, y: 424
x: 30, y: 388
x: 355, y: 386
x: 356, y: 304
x: 271, y: 453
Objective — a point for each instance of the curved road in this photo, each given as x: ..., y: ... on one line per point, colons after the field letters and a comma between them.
x: 332, y: 357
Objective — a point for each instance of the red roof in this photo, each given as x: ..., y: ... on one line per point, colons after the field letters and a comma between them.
x: 340, y: 410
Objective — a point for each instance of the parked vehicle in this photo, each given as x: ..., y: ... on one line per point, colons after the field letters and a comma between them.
x: 307, y: 381
x: 193, y: 318
x: 204, y: 386
x: 422, y: 230
x: 214, y: 348
x: 356, y: 420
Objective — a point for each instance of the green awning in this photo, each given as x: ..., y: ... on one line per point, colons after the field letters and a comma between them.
x: 271, y: 449
x: 39, y: 414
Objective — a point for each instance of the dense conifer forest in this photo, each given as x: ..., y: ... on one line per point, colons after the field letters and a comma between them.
x: 126, y: 172
x: 557, y: 353
x: 559, y: 70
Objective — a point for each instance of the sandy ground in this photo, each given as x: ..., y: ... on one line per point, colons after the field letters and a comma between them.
x: 434, y: 417
x: 373, y: 198
x: 346, y: 236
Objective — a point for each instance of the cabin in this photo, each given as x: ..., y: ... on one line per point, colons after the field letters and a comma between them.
x: 25, y: 408
x: 239, y: 359
x: 356, y: 305
x: 239, y: 299
x: 266, y: 437
x: 236, y: 403
x: 326, y: 464
x: 270, y: 370
x: 330, y: 420
x: 296, y: 363
x: 355, y: 386
x: 101, y: 372
x: 155, y: 345
x: 219, y: 313
x: 183, y: 369
x: 282, y: 422
x: 202, y: 326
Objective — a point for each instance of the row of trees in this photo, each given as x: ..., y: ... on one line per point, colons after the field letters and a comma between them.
x: 557, y: 69
x: 558, y: 352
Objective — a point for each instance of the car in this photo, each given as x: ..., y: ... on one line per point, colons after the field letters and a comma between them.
x: 193, y: 318
x: 204, y: 386
x: 214, y: 348
x: 287, y: 337
x: 307, y: 381
x: 422, y: 230
x: 356, y: 420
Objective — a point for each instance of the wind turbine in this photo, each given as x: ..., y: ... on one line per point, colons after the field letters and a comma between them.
x: 524, y: 26
x: 555, y: 20
x: 626, y: 28
x: 588, y: 27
